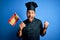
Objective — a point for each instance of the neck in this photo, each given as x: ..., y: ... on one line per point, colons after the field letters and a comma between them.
x: 31, y: 20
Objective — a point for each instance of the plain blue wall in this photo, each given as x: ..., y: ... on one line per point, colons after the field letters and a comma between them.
x: 48, y: 10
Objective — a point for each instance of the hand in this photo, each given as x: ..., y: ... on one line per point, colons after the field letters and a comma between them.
x: 46, y: 24
x: 22, y: 25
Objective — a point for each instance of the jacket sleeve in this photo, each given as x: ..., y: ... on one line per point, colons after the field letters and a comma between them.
x: 18, y: 34
x: 41, y: 29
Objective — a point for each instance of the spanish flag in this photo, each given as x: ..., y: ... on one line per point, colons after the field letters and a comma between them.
x: 13, y: 20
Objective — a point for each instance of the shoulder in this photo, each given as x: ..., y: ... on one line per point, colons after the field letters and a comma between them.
x: 38, y: 20
x: 25, y: 21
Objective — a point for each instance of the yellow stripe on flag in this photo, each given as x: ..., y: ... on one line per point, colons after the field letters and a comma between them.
x: 12, y: 21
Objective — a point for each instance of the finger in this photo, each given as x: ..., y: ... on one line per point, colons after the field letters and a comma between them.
x: 46, y: 22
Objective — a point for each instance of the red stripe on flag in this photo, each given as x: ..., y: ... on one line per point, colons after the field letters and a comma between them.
x: 11, y: 17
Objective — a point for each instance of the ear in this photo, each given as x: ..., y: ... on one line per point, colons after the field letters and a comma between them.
x: 35, y: 14
x: 26, y: 12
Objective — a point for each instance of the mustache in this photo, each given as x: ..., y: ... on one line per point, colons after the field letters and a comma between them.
x: 30, y: 17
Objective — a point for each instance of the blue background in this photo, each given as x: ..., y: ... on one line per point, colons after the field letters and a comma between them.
x: 47, y: 10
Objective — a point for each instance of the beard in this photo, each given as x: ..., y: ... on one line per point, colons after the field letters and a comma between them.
x: 30, y: 18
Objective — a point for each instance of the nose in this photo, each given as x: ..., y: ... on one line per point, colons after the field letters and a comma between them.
x: 30, y: 14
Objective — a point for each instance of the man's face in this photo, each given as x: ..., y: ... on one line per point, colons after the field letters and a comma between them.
x: 30, y: 15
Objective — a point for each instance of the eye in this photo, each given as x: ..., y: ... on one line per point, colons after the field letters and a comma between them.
x: 32, y: 12
x: 28, y: 13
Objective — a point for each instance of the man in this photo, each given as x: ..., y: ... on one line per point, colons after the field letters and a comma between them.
x: 32, y: 28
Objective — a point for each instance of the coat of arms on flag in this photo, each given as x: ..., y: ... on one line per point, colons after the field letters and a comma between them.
x: 13, y: 20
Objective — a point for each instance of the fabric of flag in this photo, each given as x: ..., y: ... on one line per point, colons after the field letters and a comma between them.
x: 13, y: 20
